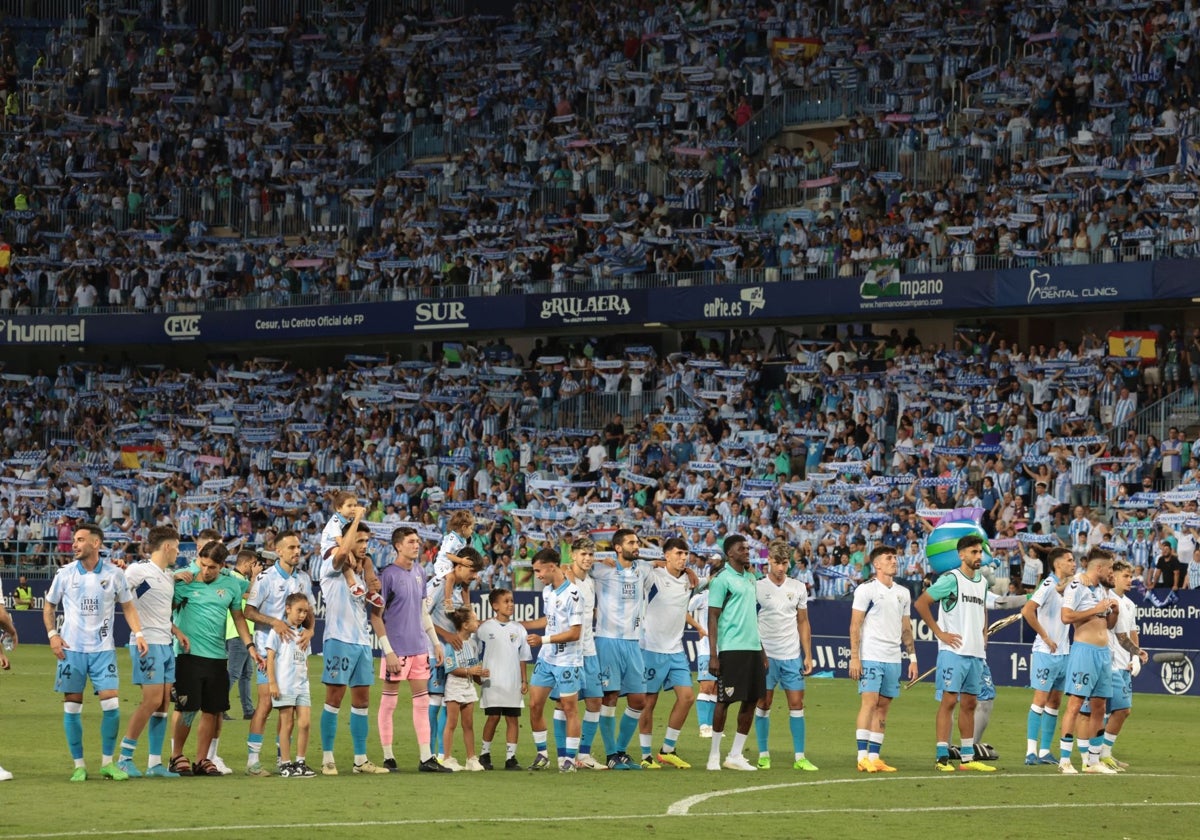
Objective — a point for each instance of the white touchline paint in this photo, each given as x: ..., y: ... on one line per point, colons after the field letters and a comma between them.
x: 682, y: 807
x: 136, y: 832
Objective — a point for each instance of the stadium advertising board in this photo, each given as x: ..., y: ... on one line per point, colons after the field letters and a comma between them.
x: 1071, y: 285
x: 584, y: 308
x: 1170, y: 627
x: 280, y: 324
x: 878, y: 293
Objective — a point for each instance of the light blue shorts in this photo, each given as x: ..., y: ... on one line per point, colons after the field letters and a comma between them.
x: 702, y: 674
x: 563, y: 680
x: 1089, y: 671
x: 72, y: 673
x: 959, y: 674
x: 987, y: 688
x: 347, y: 664
x: 621, y: 667
x: 882, y: 678
x: 590, y: 683
x: 589, y: 680
x: 787, y: 674
x: 1048, y: 671
x: 665, y: 671
x: 1122, y: 691
x: 437, y: 679
x: 157, y: 667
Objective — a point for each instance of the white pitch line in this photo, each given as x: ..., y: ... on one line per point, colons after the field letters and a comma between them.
x: 682, y: 807
x: 134, y: 832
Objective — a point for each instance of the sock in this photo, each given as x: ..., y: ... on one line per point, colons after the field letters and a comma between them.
x: 73, y: 726
x: 967, y: 750
x: 327, y: 756
x: 383, y: 720
x: 1110, y: 738
x: 572, y: 747
x: 1046, y: 737
x: 591, y: 722
x: 714, y: 749
x: 329, y: 722
x: 875, y: 744
x: 212, y: 749
x: 110, y: 724
x: 485, y: 747
x: 1095, y: 745
x: 254, y: 742
x: 439, y: 731
x: 705, y: 703
x: 358, y: 733
x: 762, y: 729
x: 539, y: 742
x: 156, y: 731
x: 983, y: 714
x: 862, y: 738
x: 669, y: 740
x: 739, y: 743
x: 435, y: 734
x: 1033, y: 728
x: 943, y: 750
x: 629, y: 725
x: 646, y: 742
x: 420, y: 719
x: 510, y: 750
x: 560, y: 733
x: 128, y: 747
x: 608, y: 728
x: 1065, y: 746
x: 796, y: 724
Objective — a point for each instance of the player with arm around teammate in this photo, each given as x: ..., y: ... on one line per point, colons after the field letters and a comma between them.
x: 153, y: 584
x: 1123, y: 643
x: 880, y: 625
x: 1051, y: 649
x: 1087, y: 607
x: 266, y: 607
x: 560, y: 658
x: 786, y: 635
x: 668, y: 591
x: 962, y: 619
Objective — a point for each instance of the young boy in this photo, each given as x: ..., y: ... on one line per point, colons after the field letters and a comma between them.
x: 463, y: 671
x: 287, y: 679
x: 505, y: 652
x: 346, y: 511
x: 461, y: 524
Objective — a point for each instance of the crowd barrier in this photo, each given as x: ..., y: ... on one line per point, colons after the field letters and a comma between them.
x: 757, y: 296
x: 1172, y: 627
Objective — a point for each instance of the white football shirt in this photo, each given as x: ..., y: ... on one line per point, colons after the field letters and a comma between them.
x: 504, y: 649
x: 88, y: 600
x: 778, y: 606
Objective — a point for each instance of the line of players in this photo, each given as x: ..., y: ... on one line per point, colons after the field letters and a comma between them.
x: 609, y: 628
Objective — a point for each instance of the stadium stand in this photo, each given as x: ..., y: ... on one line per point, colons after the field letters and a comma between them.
x: 159, y: 164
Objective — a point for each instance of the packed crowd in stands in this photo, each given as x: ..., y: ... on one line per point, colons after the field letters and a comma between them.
x: 835, y: 443
x: 584, y: 145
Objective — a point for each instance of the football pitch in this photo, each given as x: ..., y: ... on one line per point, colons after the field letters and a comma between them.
x: 1157, y: 797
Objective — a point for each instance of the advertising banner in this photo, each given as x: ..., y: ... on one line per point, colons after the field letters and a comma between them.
x: 585, y: 309
x: 351, y: 321
x: 1172, y: 627
x: 1059, y: 285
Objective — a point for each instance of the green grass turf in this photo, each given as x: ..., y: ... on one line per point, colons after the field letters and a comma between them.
x: 1158, y: 797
